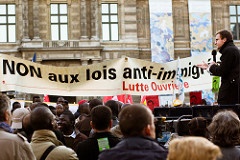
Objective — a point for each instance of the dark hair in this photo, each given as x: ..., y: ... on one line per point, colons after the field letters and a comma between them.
x: 41, y: 104
x: 4, y: 106
x: 26, y: 126
x: 133, y: 119
x: 84, y: 108
x: 198, y: 127
x: 94, y: 103
x: 36, y: 97
x: 41, y: 118
x: 113, y: 105
x: 53, y: 109
x: 15, y: 105
x: 66, y: 102
x: 101, y: 117
x: 225, y: 34
x: 60, y: 99
x: 225, y: 129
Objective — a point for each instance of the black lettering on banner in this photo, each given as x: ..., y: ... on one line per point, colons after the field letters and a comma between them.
x: 74, y: 78
x: 52, y: 77
x: 162, y: 74
x: 127, y: 73
x: 104, y: 74
x: 112, y: 74
x: 10, y: 68
x: 21, y: 69
x: 63, y: 78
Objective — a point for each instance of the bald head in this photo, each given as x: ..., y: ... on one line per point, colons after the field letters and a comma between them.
x: 134, y: 119
x: 42, y: 118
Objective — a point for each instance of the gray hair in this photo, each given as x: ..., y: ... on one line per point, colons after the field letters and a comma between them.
x: 4, y: 106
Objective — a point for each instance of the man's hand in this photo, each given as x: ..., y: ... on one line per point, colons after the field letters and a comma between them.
x: 203, y: 65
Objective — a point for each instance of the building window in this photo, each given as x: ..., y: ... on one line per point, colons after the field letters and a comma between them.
x: 7, y: 23
x: 235, y: 21
x: 59, y: 22
x: 110, y: 22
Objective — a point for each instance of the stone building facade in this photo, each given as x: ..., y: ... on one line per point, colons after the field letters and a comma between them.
x: 85, y: 44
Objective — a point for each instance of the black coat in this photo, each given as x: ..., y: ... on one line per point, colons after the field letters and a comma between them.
x: 228, y: 70
x: 89, y: 149
x: 135, y: 148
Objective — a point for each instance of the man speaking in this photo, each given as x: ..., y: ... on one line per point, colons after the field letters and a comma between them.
x: 228, y: 69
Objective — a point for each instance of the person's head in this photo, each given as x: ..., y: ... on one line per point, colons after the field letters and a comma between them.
x: 137, y: 120
x: 5, y: 112
x: 113, y: 105
x: 59, y: 109
x: 26, y: 124
x: 38, y: 104
x: 222, y: 36
x: 82, y: 101
x: 65, y: 105
x: 224, y: 129
x: 204, y: 102
x: 15, y: 105
x: 17, y: 117
x: 101, y: 118
x: 60, y: 100
x: 198, y: 126
x: 193, y: 148
x: 84, y: 108
x: 150, y: 104
x: 42, y: 118
x: 66, y: 122
x: 53, y: 109
x: 33, y: 106
x: 124, y: 105
x: 36, y: 99
x: 94, y: 102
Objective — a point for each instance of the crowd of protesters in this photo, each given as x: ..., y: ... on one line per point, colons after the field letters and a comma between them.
x: 107, y: 131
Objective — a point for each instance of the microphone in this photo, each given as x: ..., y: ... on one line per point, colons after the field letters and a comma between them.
x: 214, y: 53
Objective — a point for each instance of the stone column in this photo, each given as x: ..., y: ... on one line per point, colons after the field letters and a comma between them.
x: 94, y: 20
x: 25, y: 20
x: 83, y: 19
x: 36, y: 20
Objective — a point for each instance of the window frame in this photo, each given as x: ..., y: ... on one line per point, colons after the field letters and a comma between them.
x: 8, y: 24
x: 110, y: 22
x: 237, y: 23
x: 59, y: 23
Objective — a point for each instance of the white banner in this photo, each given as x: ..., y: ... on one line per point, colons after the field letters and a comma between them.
x: 113, y: 77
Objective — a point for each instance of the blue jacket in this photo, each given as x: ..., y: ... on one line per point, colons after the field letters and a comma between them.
x: 135, y: 148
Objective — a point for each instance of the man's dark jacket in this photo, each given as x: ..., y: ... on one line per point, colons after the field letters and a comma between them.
x: 89, y: 149
x: 228, y: 70
x: 135, y: 148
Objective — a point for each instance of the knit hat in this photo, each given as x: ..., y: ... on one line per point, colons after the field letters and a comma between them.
x: 82, y: 101
x: 17, y: 117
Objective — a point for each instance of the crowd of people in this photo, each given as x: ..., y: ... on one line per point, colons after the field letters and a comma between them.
x: 111, y: 130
